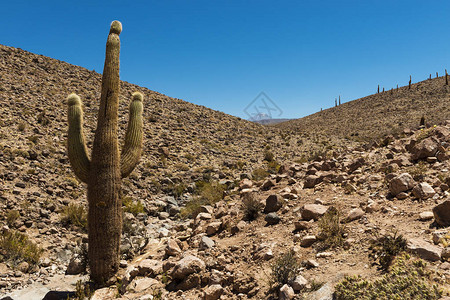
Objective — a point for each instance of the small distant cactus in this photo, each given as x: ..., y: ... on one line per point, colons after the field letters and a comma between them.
x: 409, y: 81
x: 104, y: 171
x: 378, y: 90
x: 339, y: 99
x: 446, y: 77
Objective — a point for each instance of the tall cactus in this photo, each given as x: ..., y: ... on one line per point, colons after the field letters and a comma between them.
x: 105, y: 169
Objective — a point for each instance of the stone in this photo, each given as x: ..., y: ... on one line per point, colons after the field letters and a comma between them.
x: 354, y: 214
x: 308, y: 240
x: 141, y: 284
x: 425, y: 148
x: 273, y: 203
x: 267, y: 184
x: 238, y: 227
x: 401, y: 183
x: 301, y: 225
x: 286, y: 293
x: 310, y: 181
x: 172, y: 248
x: 187, y: 265
x: 424, y: 249
x: 75, y: 266
x: 426, y: 215
x: 213, y: 292
x: 213, y: 228
x: 272, y: 219
x: 423, y: 191
x: 313, y: 211
x: 206, y: 243
x: 445, y: 254
x: 105, y: 293
x: 149, y: 267
x: 442, y: 213
x: 191, y: 281
x: 246, y: 184
x: 299, y: 283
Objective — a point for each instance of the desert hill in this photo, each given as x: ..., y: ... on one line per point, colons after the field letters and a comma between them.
x: 381, y: 114
x: 223, y: 208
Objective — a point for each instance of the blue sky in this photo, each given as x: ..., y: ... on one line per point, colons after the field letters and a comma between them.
x: 222, y: 54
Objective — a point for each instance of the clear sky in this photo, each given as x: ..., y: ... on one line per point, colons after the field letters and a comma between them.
x: 223, y: 53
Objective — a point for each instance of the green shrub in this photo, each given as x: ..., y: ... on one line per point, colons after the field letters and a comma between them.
x: 132, y: 207
x: 16, y: 247
x: 285, y: 268
x: 384, y: 249
x: 268, y: 156
x: 250, y: 206
x: 207, y: 193
x: 418, y: 171
x: 407, y: 279
x: 331, y: 232
x: 273, y: 166
x: 76, y: 215
x: 11, y: 217
x: 259, y: 174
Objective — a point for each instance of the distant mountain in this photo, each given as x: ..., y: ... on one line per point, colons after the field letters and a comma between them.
x: 271, y: 121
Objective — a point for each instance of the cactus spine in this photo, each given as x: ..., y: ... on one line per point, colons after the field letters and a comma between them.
x: 106, y: 168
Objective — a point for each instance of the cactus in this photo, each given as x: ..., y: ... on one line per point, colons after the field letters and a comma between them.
x: 105, y: 169
x: 409, y: 85
x: 446, y: 77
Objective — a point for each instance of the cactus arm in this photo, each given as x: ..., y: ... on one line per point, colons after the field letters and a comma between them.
x: 132, y: 148
x: 76, y: 146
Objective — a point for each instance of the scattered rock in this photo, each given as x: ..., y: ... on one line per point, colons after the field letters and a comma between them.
x: 272, y: 219
x: 313, y: 211
x: 442, y: 213
x: 401, y: 183
x: 213, y: 292
x: 423, y: 191
x: 424, y: 249
x: 426, y: 215
x: 273, y: 203
x: 286, y: 292
x: 187, y: 265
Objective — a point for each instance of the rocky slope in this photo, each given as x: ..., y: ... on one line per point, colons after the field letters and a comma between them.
x: 186, y: 235
x: 380, y: 114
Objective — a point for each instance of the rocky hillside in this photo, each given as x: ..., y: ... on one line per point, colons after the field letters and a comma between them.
x: 380, y: 114
x: 219, y: 207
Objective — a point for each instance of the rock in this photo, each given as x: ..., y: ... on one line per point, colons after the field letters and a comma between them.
x: 75, y: 266
x: 213, y: 228
x: 423, y: 191
x: 310, y: 181
x: 273, y: 203
x: 267, y: 184
x: 23, y: 267
x: 425, y: 148
x: 438, y: 235
x: 313, y: 211
x: 246, y: 184
x: 206, y: 243
x: 105, y: 293
x: 272, y: 219
x: 141, y: 284
x: 442, y: 213
x: 308, y: 240
x: 238, y: 227
x: 213, y: 292
x: 203, y: 216
x: 172, y: 248
x: 401, y: 183
x: 301, y: 225
x: 286, y: 292
x: 426, y: 215
x: 324, y: 293
x: 187, y: 265
x: 445, y: 254
x: 424, y: 249
x: 354, y: 214
x: 190, y: 282
x: 149, y: 267
x: 299, y: 283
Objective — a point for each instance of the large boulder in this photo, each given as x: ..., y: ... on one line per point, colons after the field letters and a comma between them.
x: 442, y: 213
x: 401, y: 183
